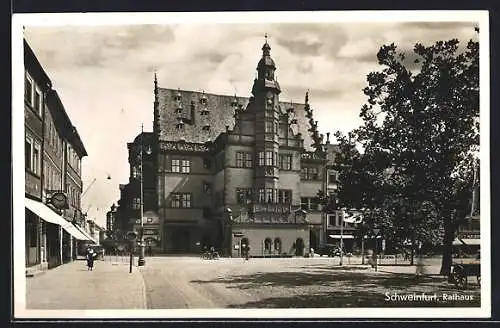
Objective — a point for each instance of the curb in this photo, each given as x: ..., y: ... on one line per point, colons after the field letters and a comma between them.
x: 35, y: 274
x: 144, y: 290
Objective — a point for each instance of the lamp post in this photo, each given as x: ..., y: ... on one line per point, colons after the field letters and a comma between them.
x: 227, y: 235
x: 342, y: 238
x: 142, y: 260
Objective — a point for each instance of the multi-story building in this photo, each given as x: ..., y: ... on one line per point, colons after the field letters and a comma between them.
x: 36, y: 86
x: 124, y: 218
x: 468, y: 232
x: 142, y: 176
x: 226, y: 170
x: 334, y: 232
x: 110, y: 220
x: 51, y: 205
x: 63, y: 154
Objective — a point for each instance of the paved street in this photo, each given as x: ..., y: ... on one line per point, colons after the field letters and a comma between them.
x: 189, y: 282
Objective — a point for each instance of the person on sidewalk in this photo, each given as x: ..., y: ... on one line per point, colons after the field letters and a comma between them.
x: 419, y: 268
x: 90, y: 259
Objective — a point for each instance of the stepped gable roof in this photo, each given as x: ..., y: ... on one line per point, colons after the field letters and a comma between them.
x: 220, y: 115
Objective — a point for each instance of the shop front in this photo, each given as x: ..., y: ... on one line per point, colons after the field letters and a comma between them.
x: 49, y: 237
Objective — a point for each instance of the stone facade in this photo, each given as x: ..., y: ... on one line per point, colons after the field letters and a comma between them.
x: 227, y: 168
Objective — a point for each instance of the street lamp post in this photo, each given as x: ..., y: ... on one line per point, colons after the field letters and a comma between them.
x: 341, y: 239
x: 142, y: 260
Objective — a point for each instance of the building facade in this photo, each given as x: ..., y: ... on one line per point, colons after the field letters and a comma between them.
x: 111, y: 220
x: 468, y: 232
x: 225, y: 171
x: 36, y: 86
x: 335, y: 228
x: 52, y: 148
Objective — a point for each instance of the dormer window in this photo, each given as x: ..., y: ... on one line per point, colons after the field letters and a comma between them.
x: 205, y: 112
x: 234, y: 103
x: 180, y: 126
x: 206, y: 128
x: 293, y: 121
x: 178, y: 110
x: 178, y: 96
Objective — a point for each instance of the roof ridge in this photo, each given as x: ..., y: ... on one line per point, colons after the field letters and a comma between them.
x: 202, y: 92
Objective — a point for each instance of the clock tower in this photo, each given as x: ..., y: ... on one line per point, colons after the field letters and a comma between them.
x: 265, y: 105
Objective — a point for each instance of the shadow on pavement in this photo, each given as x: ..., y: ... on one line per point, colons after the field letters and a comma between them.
x: 339, y: 289
x: 342, y: 299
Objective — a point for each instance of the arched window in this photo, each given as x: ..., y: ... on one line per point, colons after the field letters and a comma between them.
x: 267, y: 245
x: 277, y: 244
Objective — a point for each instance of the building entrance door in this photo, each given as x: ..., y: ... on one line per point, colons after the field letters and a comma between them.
x: 313, y: 240
x: 32, y: 239
x: 180, y: 241
x: 299, y: 247
x: 53, y: 246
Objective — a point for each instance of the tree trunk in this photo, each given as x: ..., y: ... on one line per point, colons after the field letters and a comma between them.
x: 412, y: 256
x: 449, y: 234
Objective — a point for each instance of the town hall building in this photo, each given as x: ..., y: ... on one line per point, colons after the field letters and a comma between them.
x: 224, y: 171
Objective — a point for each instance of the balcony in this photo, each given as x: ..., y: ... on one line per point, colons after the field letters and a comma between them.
x: 285, y: 142
x: 241, y: 139
x: 270, y: 208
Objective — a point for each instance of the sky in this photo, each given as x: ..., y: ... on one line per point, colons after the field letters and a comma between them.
x: 104, y: 75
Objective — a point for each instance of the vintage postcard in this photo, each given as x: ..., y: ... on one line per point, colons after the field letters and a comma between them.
x: 251, y: 165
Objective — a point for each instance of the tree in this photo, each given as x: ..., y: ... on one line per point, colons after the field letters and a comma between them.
x: 421, y: 122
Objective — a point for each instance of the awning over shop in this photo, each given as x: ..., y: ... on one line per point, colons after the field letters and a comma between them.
x: 88, y: 237
x: 75, y: 232
x: 466, y: 241
x: 475, y: 242
x: 45, y: 213
x: 343, y: 236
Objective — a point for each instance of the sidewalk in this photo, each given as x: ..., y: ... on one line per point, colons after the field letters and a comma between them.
x: 71, y: 286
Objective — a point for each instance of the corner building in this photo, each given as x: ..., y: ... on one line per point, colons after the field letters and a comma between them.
x: 53, y: 155
x: 232, y: 170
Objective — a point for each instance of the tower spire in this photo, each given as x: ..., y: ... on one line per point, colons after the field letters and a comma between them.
x: 266, y: 68
x: 266, y: 49
x: 155, y: 79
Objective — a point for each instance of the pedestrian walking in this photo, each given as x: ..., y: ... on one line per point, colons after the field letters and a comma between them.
x: 90, y: 259
x: 419, y: 267
x: 245, y: 249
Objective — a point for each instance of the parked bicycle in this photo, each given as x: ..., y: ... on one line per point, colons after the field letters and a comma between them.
x: 209, y: 254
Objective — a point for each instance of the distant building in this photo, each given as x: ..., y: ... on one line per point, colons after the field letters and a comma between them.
x: 468, y: 232
x: 333, y: 219
x: 226, y: 171
x: 111, y: 220
x: 100, y: 234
